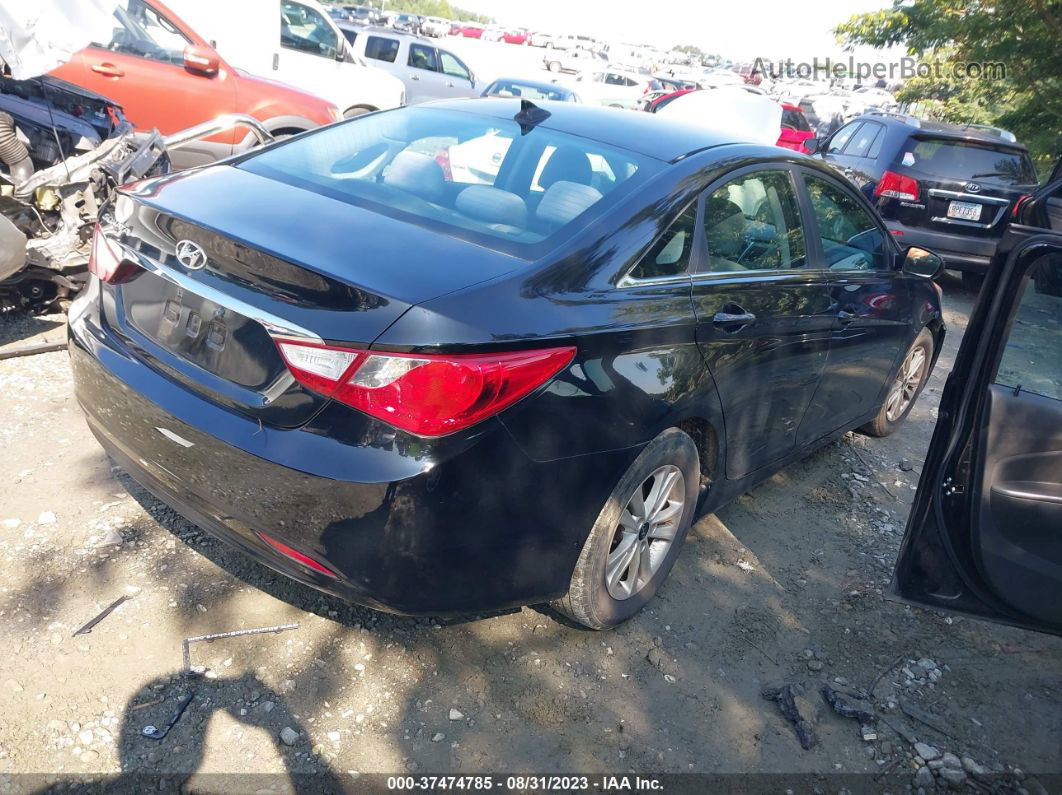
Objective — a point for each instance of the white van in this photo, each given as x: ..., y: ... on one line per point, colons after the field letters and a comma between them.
x: 295, y: 42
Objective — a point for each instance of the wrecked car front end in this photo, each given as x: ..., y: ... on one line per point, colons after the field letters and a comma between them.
x: 63, y: 151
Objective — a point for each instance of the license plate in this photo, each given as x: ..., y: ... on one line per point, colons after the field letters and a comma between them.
x: 965, y: 211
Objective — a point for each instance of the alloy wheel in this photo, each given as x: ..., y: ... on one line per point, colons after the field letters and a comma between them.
x: 905, y: 387
x: 647, y: 527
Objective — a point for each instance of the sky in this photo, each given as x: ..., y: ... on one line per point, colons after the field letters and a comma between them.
x: 736, y: 29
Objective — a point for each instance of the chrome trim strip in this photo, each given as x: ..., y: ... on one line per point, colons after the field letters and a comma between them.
x: 961, y: 222
x: 951, y: 194
x: 276, y: 326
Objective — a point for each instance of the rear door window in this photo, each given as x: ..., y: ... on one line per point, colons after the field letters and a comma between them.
x: 421, y: 57
x: 971, y: 162
x: 381, y: 48
x: 753, y: 223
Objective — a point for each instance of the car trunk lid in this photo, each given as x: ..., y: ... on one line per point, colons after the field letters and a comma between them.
x: 290, y: 264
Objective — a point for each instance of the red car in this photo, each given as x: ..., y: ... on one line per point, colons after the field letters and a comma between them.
x: 515, y: 36
x: 467, y: 30
x: 795, y: 129
x: 656, y: 104
x: 167, y: 77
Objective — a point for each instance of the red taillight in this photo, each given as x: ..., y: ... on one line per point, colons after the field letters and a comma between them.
x: 296, y: 556
x: 425, y: 394
x: 897, y: 186
x: 106, y: 262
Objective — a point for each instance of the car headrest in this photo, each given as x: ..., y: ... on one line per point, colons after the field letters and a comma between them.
x: 493, y: 205
x: 416, y: 173
x: 563, y: 201
x: 569, y: 164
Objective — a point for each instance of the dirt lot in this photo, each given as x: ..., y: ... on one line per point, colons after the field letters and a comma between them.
x: 783, y: 586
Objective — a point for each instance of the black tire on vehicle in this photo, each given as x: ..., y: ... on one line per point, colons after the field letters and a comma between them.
x: 891, y: 415
x: 351, y: 113
x: 589, y: 600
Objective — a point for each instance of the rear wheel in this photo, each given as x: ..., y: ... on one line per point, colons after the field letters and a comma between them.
x: 637, y: 536
x: 905, y: 388
x: 359, y: 110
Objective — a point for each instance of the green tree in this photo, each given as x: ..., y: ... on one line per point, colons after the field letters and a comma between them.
x: 1023, y: 35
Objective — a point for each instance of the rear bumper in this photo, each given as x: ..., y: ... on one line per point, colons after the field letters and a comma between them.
x: 405, y: 526
x: 960, y: 252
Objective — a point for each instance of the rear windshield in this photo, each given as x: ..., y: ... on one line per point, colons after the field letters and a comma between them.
x: 961, y: 160
x: 795, y: 119
x: 470, y: 176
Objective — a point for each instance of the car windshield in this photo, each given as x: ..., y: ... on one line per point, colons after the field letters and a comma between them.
x: 960, y: 160
x: 465, y: 175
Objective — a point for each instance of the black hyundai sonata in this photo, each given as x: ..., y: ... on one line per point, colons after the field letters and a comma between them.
x: 478, y: 354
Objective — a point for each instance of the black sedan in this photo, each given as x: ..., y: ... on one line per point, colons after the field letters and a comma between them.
x: 485, y: 353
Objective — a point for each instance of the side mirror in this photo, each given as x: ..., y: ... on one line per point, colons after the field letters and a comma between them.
x: 203, y: 60
x: 812, y: 145
x: 919, y: 262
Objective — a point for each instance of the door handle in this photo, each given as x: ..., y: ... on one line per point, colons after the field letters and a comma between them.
x: 733, y: 321
x: 107, y: 70
x: 414, y: 77
x: 845, y: 317
x: 848, y: 172
x: 449, y: 85
x: 276, y: 61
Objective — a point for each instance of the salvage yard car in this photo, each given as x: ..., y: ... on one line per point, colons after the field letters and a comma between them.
x: 295, y: 42
x: 523, y: 388
x: 152, y: 52
x: 948, y: 187
x: 427, y: 71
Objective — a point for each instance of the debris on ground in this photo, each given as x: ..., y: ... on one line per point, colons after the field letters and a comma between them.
x: 790, y: 699
x: 87, y: 628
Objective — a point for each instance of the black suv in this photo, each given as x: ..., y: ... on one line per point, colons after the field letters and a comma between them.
x: 945, y: 187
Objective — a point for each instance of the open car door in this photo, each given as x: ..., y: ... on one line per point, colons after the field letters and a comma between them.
x: 984, y: 536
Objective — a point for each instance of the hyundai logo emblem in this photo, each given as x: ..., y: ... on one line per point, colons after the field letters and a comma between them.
x: 191, y: 255
x: 973, y: 187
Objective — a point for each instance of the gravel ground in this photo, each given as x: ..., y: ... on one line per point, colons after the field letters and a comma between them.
x: 782, y: 587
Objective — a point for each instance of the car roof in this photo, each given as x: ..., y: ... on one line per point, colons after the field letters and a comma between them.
x: 941, y: 129
x: 540, y: 84
x: 644, y: 133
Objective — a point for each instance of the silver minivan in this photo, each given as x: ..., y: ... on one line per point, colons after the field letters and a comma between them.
x: 428, y: 72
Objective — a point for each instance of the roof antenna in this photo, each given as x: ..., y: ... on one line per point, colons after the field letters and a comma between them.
x: 529, y: 116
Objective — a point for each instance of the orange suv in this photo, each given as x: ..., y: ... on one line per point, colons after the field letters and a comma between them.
x: 168, y: 77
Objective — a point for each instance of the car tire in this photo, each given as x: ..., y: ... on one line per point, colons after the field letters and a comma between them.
x: 351, y: 113
x: 554, y: 66
x: 671, y: 460
x: 892, y: 414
